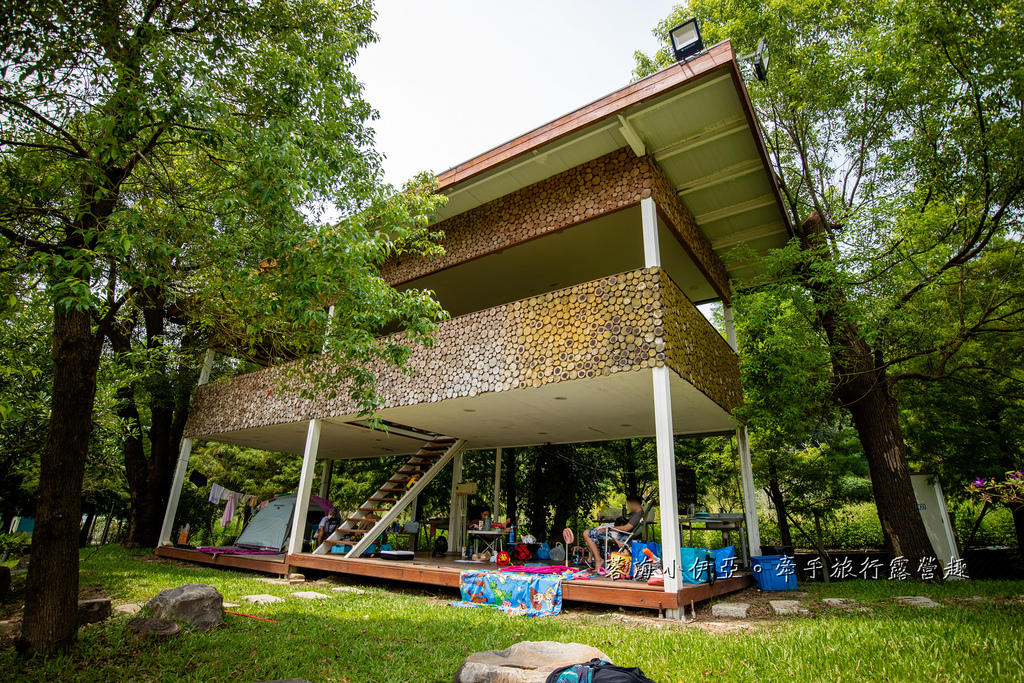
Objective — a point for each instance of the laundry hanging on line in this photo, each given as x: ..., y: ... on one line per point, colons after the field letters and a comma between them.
x: 229, y: 509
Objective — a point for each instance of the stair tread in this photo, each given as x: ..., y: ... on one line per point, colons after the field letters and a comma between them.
x: 382, y: 500
x: 392, y: 490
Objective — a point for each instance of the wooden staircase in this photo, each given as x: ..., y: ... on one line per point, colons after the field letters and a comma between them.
x: 382, y: 508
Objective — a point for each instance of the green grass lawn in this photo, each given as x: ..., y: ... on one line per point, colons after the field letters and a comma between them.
x: 385, y: 636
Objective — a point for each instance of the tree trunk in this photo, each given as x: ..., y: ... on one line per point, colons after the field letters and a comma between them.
x: 629, y: 464
x: 865, y: 390
x: 779, y: 503
x: 1018, y: 526
x: 149, y: 477
x: 509, y: 480
x: 51, y: 589
x: 84, y: 536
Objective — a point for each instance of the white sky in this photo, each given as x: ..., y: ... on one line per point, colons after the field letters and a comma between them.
x: 454, y: 78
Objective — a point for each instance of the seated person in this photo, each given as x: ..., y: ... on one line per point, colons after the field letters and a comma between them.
x: 328, y: 525
x: 617, y: 534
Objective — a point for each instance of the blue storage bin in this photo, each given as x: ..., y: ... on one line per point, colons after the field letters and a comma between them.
x: 774, y: 572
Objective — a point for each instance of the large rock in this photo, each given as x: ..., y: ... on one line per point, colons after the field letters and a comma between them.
x: 93, y: 611
x: 10, y: 629
x: 22, y: 563
x: 526, y: 662
x: 197, y: 604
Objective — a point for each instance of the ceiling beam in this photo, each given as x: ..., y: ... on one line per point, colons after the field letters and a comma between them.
x: 742, y: 207
x: 712, y: 179
x: 733, y: 125
x: 766, y: 230
x: 636, y: 143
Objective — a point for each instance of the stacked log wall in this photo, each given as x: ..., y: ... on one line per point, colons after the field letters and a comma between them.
x: 627, y: 322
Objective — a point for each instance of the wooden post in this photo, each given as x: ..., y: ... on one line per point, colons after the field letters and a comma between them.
x: 497, y: 485
x: 183, y: 455
x: 305, y: 487
x: 325, y: 479
x: 456, y: 511
x: 749, y: 501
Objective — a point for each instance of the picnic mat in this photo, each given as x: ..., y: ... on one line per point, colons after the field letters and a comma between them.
x: 532, y: 595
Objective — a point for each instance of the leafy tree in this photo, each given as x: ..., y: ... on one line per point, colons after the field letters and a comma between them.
x: 895, y: 132
x: 188, y: 152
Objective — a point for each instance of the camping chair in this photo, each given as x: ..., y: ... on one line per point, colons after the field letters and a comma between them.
x: 646, y: 512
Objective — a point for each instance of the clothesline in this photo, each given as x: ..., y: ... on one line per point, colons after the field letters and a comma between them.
x: 218, y: 493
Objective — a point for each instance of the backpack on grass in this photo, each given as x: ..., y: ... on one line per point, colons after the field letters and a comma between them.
x: 597, y: 671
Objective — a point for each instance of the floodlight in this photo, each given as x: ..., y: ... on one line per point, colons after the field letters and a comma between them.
x: 686, y: 40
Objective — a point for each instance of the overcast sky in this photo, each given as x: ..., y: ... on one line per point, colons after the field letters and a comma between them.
x: 454, y: 78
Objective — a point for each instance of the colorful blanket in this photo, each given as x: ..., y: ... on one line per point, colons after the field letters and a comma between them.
x: 236, y: 551
x: 532, y: 595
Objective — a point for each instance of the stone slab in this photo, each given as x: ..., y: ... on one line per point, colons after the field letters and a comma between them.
x: 916, y: 601
x: 262, y: 599
x: 310, y: 595
x: 348, y: 589
x: 93, y: 611
x: 526, y: 662
x: 128, y: 608
x: 231, y: 605
x: 785, y: 607
x: 844, y: 603
x: 733, y: 610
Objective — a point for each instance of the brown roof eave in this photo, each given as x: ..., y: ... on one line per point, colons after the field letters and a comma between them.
x: 717, y: 57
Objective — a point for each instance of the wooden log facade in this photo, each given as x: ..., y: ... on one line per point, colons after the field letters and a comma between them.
x: 607, y: 184
x: 621, y: 323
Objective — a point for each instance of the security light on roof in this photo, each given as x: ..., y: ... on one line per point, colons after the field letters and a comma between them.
x: 760, y: 59
x: 686, y: 40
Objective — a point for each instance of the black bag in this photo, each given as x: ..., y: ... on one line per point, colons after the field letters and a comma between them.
x: 440, y: 547
x: 597, y: 671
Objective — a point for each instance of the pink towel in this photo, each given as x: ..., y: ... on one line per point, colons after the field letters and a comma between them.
x: 229, y: 509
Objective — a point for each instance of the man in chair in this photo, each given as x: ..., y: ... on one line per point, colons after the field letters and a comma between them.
x: 594, y: 538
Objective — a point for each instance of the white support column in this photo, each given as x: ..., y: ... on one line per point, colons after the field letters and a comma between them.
x: 730, y: 328
x: 325, y: 478
x: 456, y: 513
x: 667, y: 494
x: 496, y: 512
x: 183, y: 455
x: 749, y: 501
x: 652, y: 246
x: 305, y: 487
x: 665, y: 434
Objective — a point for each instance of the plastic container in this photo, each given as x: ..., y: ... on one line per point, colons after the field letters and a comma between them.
x: 774, y: 572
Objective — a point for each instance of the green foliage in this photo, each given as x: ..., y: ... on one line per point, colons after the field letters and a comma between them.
x: 15, y: 544
x: 247, y: 470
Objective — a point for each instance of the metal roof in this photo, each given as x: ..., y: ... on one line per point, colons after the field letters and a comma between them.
x: 695, y: 119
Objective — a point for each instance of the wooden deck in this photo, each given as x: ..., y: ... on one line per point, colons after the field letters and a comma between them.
x: 445, y: 572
